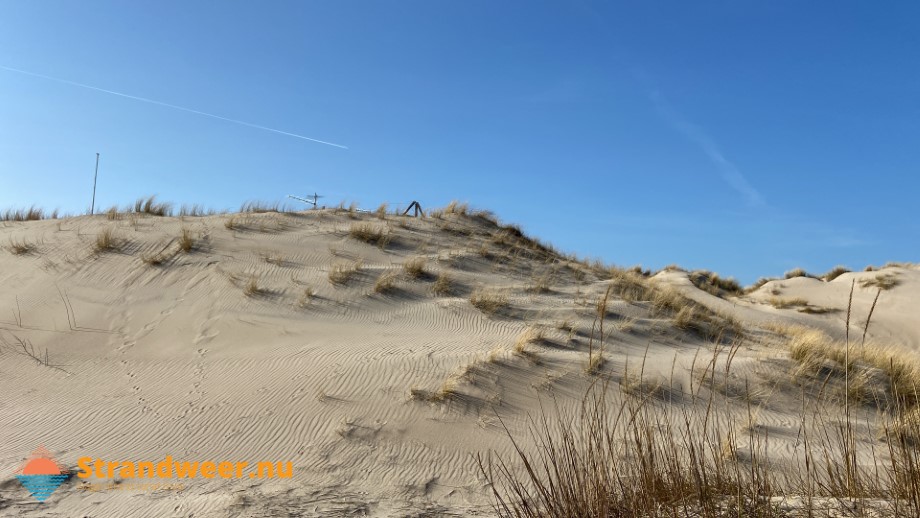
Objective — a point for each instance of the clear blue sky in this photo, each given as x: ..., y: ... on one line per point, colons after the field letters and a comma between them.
x: 744, y: 137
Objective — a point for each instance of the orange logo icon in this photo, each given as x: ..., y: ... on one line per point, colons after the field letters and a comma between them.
x: 41, y: 475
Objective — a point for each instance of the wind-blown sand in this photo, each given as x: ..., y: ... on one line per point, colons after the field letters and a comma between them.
x: 380, y: 400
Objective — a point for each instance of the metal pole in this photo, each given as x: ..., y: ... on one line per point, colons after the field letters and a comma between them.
x: 92, y: 208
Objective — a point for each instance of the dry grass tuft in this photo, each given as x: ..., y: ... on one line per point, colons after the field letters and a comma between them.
x: 381, y: 211
x: 629, y: 286
x: 444, y: 285
x: 415, y: 267
x: 20, y: 246
x: 352, y: 210
x: 815, y: 351
x: 711, y: 283
x: 899, y: 264
x: 531, y: 335
x: 693, y: 316
x: 371, y: 234
x: 150, y: 206
x: 884, y: 281
x: 195, y: 211
x: 260, y: 207
x: 811, y: 347
x: 386, y: 283
x: 342, y: 273
x: 757, y: 285
x: 640, y: 386
x: 626, y: 458
x: 105, y: 241
x: 798, y: 272
x: 784, y: 303
x: 566, y: 325
x: 542, y: 284
x: 454, y: 207
x: 625, y: 325
x: 449, y: 389
x: 596, y: 362
x: 33, y: 213
x: 306, y: 297
x: 685, y: 318
x: 835, y: 272
x: 643, y: 456
x: 252, y: 288
x: 158, y: 259
x: 489, y: 301
x: 496, y: 354
x: 633, y: 286
x: 905, y: 428
x: 186, y: 241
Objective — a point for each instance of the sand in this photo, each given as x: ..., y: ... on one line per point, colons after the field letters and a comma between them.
x: 379, y: 400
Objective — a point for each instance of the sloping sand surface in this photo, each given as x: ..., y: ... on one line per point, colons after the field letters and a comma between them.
x: 242, y: 349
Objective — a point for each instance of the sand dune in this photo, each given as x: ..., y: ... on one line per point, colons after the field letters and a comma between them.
x: 242, y: 349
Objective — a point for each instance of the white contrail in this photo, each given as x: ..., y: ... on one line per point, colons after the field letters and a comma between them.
x: 730, y: 173
x: 160, y: 103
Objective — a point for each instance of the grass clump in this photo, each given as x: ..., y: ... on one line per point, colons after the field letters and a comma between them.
x: 306, y: 297
x: 444, y: 285
x: 158, y: 259
x: 415, y: 267
x: 835, y: 272
x: 531, y: 335
x: 150, y: 206
x: 542, y: 284
x: 449, y: 389
x: 260, y: 207
x: 637, y: 385
x: 798, y: 272
x: 252, y: 288
x: 884, y: 281
x: 633, y: 458
x: 489, y: 302
x: 342, y: 273
x: 690, y: 315
x: 759, y: 284
x: 596, y: 362
x: 386, y: 283
x: 454, y: 207
x: 186, y: 241
x: 784, y: 303
x: 643, y: 457
x: 371, y: 234
x: 195, y: 211
x: 815, y: 351
x: 711, y: 282
x: 20, y: 246
x: 630, y: 286
x: 33, y: 213
x: 105, y: 241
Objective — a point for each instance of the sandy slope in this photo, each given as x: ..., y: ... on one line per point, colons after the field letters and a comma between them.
x: 176, y: 359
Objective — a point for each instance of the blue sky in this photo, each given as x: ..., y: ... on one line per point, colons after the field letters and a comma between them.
x: 743, y: 137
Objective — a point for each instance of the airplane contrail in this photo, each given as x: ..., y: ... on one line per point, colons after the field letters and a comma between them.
x: 160, y: 103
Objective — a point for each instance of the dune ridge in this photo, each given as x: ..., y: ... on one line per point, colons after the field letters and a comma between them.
x: 224, y: 336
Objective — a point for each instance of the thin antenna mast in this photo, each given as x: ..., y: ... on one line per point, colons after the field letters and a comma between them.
x: 92, y: 208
